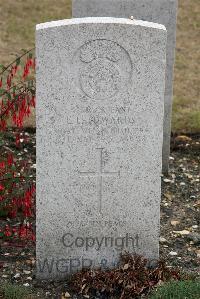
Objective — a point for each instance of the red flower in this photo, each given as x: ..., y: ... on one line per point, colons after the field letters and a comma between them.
x: 2, y: 164
x: 10, y: 159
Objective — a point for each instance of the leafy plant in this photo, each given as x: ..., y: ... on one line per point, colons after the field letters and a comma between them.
x: 17, y: 90
x: 17, y: 99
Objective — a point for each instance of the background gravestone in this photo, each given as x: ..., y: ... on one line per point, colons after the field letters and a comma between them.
x: 158, y: 11
x: 100, y: 95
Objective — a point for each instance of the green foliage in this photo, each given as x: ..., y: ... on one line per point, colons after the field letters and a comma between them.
x: 1, y: 139
x: 10, y: 291
x: 177, y: 290
x: 2, y: 67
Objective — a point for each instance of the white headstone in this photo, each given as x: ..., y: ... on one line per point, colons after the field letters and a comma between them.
x: 100, y: 95
x: 158, y: 11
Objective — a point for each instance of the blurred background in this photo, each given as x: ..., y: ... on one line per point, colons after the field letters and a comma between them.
x: 17, y: 28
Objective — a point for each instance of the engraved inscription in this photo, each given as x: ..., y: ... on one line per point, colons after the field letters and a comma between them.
x: 103, y: 68
x: 100, y: 79
x: 100, y: 174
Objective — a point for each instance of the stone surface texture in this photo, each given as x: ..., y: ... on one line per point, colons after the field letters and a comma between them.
x: 158, y: 11
x: 100, y: 106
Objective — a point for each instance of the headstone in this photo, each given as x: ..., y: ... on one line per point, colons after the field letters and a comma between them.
x: 100, y: 95
x: 158, y: 11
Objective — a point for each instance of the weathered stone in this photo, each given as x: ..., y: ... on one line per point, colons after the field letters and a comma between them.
x: 100, y: 95
x: 158, y: 11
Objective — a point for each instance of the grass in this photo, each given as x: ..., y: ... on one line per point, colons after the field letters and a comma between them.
x: 10, y: 291
x: 18, y: 20
x: 177, y: 290
x: 17, y: 26
x: 186, y: 108
x: 170, y: 290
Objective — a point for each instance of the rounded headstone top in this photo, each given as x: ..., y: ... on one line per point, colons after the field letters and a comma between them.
x: 98, y: 20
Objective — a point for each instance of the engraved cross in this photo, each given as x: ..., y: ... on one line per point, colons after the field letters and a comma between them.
x: 100, y: 174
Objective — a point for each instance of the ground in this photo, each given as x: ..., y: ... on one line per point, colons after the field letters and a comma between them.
x: 17, y: 26
x: 180, y: 220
